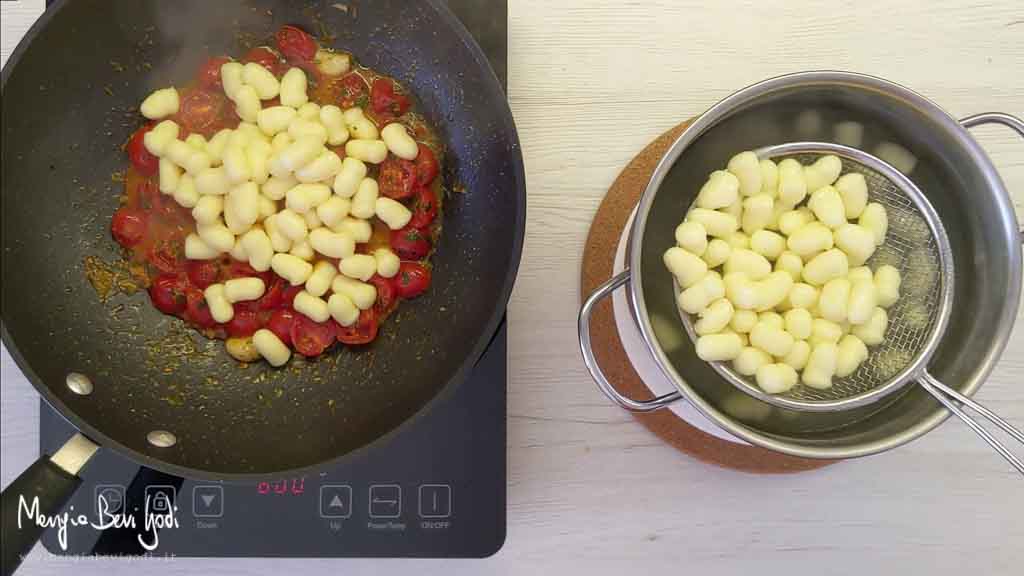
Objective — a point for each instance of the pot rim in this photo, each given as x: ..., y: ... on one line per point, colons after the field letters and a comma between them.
x: 711, y: 117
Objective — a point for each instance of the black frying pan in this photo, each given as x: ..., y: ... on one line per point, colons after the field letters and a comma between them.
x: 70, y: 96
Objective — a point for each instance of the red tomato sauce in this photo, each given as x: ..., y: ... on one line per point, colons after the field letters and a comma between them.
x: 152, y: 227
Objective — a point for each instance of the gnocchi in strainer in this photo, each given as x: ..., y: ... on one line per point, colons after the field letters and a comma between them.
x: 770, y: 264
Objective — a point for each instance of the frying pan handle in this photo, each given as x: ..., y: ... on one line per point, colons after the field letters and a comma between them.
x: 50, y: 482
x: 596, y: 373
x: 1008, y: 120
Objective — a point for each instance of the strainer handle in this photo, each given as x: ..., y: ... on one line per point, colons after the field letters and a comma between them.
x: 950, y: 398
x: 1008, y: 120
x: 587, y: 349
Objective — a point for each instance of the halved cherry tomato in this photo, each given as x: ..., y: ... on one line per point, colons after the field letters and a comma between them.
x: 351, y: 90
x: 426, y: 166
x: 410, y: 243
x: 274, y: 294
x: 200, y: 111
x: 244, y: 324
x: 412, y: 280
x: 288, y: 296
x: 209, y: 74
x: 295, y: 45
x: 202, y: 273
x: 128, y: 226
x: 167, y: 294
x: 311, y: 338
x: 397, y: 177
x: 363, y: 331
x: 164, y: 257
x: 385, y: 101
x: 265, y: 57
x: 280, y: 324
x: 144, y: 162
x: 197, y: 311
x: 424, y: 208
x: 385, y: 293
x: 239, y: 269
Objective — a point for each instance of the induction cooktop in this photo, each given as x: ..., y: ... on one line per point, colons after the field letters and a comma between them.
x: 436, y: 489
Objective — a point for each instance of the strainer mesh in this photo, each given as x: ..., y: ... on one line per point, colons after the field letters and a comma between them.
x: 911, y: 247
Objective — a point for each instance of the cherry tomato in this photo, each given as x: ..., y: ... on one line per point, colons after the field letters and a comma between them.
x: 412, y: 280
x: 410, y: 243
x: 209, y: 74
x: 352, y: 90
x: 362, y: 332
x: 200, y: 111
x: 311, y: 338
x: 272, y: 298
x: 167, y: 295
x: 197, y: 311
x: 144, y: 162
x: 239, y: 269
x: 296, y: 45
x: 265, y: 57
x: 424, y: 208
x: 384, y: 100
x: 164, y: 257
x: 128, y: 226
x: 247, y: 305
x: 202, y: 273
x: 426, y: 166
x: 280, y: 324
x: 244, y: 324
x: 396, y: 177
x: 288, y: 296
x: 385, y: 293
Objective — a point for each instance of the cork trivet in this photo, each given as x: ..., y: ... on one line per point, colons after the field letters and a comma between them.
x: 598, y: 262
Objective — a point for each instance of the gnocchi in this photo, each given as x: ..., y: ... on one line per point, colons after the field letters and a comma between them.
x: 770, y: 260
x: 161, y: 104
x: 281, y: 185
x: 399, y: 142
x: 270, y: 347
x: 747, y: 170
x: 721, y: 190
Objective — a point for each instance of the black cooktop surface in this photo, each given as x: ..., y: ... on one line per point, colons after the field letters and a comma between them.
x: 435, y: 490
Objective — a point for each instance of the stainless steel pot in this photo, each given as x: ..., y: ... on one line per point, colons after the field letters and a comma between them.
x: 949, y: 167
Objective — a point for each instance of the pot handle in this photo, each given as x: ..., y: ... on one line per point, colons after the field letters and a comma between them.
x: 1008, y: 120
x: 51, y: 482
x: 586, y: 348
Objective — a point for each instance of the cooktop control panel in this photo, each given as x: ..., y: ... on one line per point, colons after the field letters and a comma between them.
x: 434, y: 490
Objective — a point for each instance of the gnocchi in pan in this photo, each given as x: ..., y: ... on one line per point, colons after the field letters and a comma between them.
x: 771, y: 262
x: 285, y: 201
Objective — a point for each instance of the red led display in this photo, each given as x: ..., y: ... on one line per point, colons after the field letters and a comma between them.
x: 284, y: 487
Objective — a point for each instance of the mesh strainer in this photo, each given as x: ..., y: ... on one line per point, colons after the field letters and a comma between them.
x: 917, y: 245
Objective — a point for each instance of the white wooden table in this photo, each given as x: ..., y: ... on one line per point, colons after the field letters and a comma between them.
x: 591, y: 82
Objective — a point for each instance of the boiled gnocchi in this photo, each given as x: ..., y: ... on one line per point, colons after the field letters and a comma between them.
x: 770, y: 261
x: 284, y: 180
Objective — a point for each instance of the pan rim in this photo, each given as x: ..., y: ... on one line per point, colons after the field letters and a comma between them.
x: 495, y: 317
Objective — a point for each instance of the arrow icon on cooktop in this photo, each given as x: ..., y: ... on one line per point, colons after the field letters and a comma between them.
x: 207, y: 498
x: 335, y: 501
